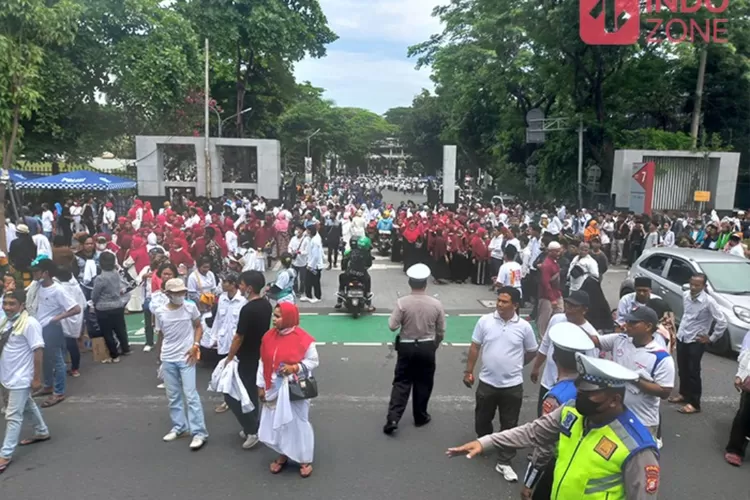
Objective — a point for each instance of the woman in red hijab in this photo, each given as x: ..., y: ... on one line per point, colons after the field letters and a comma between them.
x: 440, y: 261
x: 412, y: 234
x: 480, y: 256
x: 287, y: 353
x: 148, y: 213
x: 139, y: 254
x: 198, y: 248
x: 179, y: 255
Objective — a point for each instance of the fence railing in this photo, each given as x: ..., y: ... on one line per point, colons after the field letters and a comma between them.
x: 129, y: 172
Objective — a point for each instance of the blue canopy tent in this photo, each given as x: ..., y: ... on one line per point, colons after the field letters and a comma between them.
x: 17, y: 176
x: 81, y: 180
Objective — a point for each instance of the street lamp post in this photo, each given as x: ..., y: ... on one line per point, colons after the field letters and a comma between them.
x: 221, y: 122
x: 308, y: 141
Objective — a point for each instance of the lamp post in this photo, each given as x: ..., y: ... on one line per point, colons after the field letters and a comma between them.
x: 308, y: 141
x: 221, y: 122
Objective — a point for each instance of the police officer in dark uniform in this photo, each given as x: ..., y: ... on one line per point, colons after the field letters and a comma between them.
x: 420, y: 320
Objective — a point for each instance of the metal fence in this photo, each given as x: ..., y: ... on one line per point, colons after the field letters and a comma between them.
x: 45, y: 169
x: 677, y: 179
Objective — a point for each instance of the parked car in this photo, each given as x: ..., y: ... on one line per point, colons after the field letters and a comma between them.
x: 728, y: 276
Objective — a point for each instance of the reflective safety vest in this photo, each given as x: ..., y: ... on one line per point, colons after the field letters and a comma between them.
x: 590, y: 463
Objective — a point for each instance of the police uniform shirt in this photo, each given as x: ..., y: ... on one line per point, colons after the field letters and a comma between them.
x: 640, y: 472
x: 419, y: 316
x: 652, y: 362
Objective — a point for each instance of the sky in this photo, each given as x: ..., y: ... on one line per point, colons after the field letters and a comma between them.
x: 367, y: 66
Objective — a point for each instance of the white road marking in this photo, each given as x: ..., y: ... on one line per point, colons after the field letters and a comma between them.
x: 381, y: 314
x: 363, y: 344
x: 471, y: 315
x: 454, y: 344
x: 309, y: 314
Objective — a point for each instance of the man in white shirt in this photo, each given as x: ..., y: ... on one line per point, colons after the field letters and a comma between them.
x: 652, y: 238
x: 496, y: 250
x: 21, y: 345
x: 510, y: 272
x: 583, y: 266
x: 299, y: 246
x: 48, y: 221
x: 668, y: 240
x: 640, y: 351
x: 507, y: 343
x: 53, y: 304
x: 699, y: 312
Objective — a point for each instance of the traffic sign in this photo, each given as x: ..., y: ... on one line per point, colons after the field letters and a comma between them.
x: 702, y: 196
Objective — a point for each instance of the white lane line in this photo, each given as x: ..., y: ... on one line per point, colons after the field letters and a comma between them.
x: 309, y: 314
x: 380, y: 314
x: 338, y: 314
x: 363, y: 344
x: 472, y: 315
x: 454, y: 344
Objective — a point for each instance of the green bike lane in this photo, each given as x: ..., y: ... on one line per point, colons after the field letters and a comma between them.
x: 343, y: 329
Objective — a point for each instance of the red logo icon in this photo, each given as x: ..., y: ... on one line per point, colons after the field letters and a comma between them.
x: 602, y: 25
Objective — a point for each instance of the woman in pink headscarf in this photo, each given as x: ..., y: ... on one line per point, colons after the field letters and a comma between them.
x: 281, y: 225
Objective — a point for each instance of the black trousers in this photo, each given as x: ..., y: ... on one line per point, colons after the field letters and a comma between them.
x: 111, y: 324
x: 312, y: 282
x: 248, y: 421
x: 740, y: 427
x: 299, y: 280
x: 543, y: 489
x: 333, y: 255
x: 689, y: 358
x: 415, y: 373
x: 505, y: 401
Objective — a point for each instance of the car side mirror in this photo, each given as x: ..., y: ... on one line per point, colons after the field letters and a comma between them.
x: 685, y: 287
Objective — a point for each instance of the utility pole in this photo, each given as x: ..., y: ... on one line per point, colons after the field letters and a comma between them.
x: 308, y: 141
x: 207, y: 151
x: 695, y: 125
x: 580, y: 162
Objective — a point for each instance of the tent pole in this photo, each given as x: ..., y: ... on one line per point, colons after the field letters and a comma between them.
x: 13, y: 201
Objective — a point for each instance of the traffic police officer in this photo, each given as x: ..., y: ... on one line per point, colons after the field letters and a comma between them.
x: 603, y: 451
x: 421, y: 321
x: 567, y: 339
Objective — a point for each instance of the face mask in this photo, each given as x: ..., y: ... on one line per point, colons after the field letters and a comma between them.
x: 101, y: 246
x: 178, y: 301
x: 585, y: 406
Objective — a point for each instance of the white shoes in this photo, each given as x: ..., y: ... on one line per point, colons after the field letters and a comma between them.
x: 173, y: 436
x: 314, y: 300
x: 659, y: 443
x: 161, y: 386
x: 304, y: 299
x: 243, y: 435
x: 147, y: 348
x: 250, y: 442
x: 508, y: 473
x: 197, y: 443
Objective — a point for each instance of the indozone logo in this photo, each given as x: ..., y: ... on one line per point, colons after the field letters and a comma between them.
x: 618, y: 22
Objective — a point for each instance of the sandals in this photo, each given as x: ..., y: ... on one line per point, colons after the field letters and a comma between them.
x: 733, y: 459
x: 278, y: 465
x: 41, y: 392
x: 34, y: 440
x: 676, y: 399
x: 52, y: 401
x: 688, y: 409
x: 305, y: 470
x: 4, y: 467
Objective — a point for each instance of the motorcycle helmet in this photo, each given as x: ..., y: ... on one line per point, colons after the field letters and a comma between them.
x: 354, y: 242
x: 364, y: 242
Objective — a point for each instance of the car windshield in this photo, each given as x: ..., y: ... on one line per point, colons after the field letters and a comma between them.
x: 728, y: 277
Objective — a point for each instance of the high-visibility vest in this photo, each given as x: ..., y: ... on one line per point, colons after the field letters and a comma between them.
x: 589, y: 466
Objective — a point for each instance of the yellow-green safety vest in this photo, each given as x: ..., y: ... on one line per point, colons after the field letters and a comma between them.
x: 590, y: 464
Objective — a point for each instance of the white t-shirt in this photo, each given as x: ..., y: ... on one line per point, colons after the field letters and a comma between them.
x: 510, y: 274
x: 53, y: 301
x: 504, y: 345
x: 17, y: 360
x: 650, y: 361
x: 549, y: 376
x: 177, y: 329
x: 47, y: 220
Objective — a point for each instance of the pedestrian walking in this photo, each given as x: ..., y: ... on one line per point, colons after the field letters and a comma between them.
x: 602, y: 449
x: 507, y: 343
x: 420, y: 320
x: 740, y: 432
x: 178, y: 323
x: 550, y: 287
x: 699, y: 311
x: 21, y: 352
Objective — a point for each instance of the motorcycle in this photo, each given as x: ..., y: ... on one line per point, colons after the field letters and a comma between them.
x: 354, y: 297
x: 384, y: 242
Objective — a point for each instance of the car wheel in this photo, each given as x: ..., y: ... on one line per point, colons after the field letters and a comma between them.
x: 625, y: 291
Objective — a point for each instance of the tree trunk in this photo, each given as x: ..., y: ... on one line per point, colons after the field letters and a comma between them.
x: 695, y: 125
x: 8, y: 148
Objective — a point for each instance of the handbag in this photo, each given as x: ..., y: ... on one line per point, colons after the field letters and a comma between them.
x: 303, y: 387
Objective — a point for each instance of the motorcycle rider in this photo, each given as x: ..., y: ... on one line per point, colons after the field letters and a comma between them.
x: 354, y: 265
x: 385, y: 228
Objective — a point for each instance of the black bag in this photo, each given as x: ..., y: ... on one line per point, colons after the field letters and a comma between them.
x: 577, y: 272
x: 5, y: 336
x: 303, y: 386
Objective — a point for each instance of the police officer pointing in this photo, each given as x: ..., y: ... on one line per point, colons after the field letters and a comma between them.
x: 421, y: 321
x: 603, y: 451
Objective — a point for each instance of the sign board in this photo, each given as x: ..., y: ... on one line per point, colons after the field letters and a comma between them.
x: 449, y: 174
x: 642, y: 187
x: 308, y: 170
x: 535, y: 126
x: 702, y: 196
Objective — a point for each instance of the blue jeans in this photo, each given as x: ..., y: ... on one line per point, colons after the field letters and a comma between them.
x: 54, y: 358
x: 179, y: 379
x: 20, y: 403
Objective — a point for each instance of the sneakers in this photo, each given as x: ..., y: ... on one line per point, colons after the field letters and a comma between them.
x: 173, y: 436
x: 197, y: 443
x: 390, y: 427
x: 116, y: 360
x: 659, y: 443
x: 314, y: 300
x: 250, y: 442
x: 508, y: 473
x: 243, y: 435
x: 161, y: 386
x: 304, y: 299
x: 75, y: 373
x: 147, y: 348
x: 107, y: 361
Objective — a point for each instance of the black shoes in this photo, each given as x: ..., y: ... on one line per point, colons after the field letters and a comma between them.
x: 389, y: 427
x: 423, y: 422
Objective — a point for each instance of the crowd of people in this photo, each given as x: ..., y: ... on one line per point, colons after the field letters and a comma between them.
x: 194, y: 268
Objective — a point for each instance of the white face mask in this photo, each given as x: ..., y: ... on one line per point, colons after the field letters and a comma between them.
x: 101, y: 246
x: 177, y: 300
